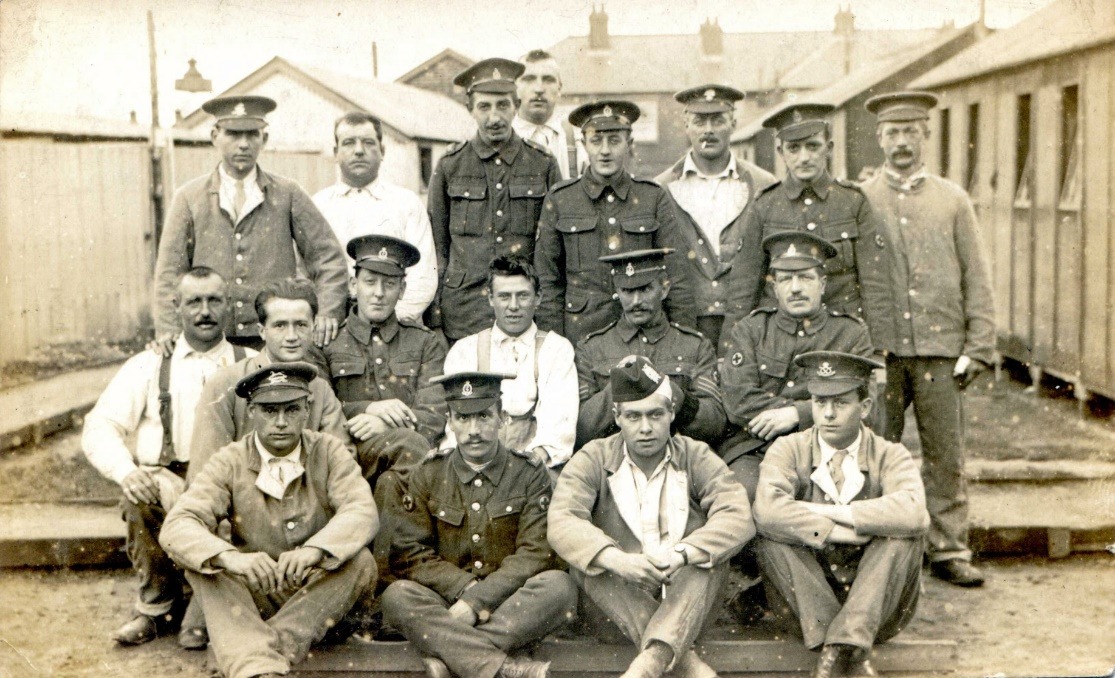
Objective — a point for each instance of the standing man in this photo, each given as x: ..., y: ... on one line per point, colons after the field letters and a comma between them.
x: 646, y: 521
x: 641, y: 285
x: 154, y: 398
x: 286, y: 311
x: 812, y: 200
x: 250, y: 227
x: 765, y: 391
x: 841, y: 514
x: 477, y: 578
x: 944, y: 319
x: 540, y: 402
x: 382, y: 369
x: 712, y: 189
x: 539, y: 88
x: 301, y: 518
x: 364, y: 203
x: 603, y: 212
x: 485, y: 197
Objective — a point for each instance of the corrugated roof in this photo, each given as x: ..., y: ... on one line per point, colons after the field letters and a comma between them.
x: 1061, y: 27
x: 751, y: 61
x: 55, y: 124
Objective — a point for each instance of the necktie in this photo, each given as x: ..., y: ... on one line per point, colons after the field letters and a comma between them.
x: 516, y: 355
x: 280, y: 470
x: 239, y: 199
x: 836, y: 469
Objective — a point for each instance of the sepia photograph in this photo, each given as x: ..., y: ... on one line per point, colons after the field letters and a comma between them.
x: 557, y: 338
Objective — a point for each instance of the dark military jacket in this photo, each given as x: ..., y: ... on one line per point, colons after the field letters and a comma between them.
x: 858, y: 276
x: 483, y: 203
x: 395, y: 361
x: 759, y: 374
x: 460, y: 525
x: 683, y: 354
x: 584, y: 219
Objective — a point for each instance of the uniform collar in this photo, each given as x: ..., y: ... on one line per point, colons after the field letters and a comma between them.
x: 653, y: 332
x: 493, y: 471
x: 810, y: 325
x: 910, y: 184
x: 820, y: 186
x: 730, y: 172
x: 620, y: 183
x: 508, y: 152
x: 361, y: 329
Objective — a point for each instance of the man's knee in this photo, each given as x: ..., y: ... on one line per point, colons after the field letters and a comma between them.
x: 399, y: 598
x: 366, y: 570
x: 559, y: 587
x: 746, y: 472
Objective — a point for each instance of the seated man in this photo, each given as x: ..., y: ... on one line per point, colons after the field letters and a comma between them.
x: 382, y: 368
x: 479, y: 576
x: 841, y: 514
x: 540, y: 403
x: 154, y: 398
x: 647, y: 520
x: 301, y: 518
x: 641, y: 285
x: 286, y: 310
x: 764, y: 391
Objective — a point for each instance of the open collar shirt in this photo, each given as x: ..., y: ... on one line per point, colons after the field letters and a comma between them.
x: 550, y: 135
x: 714, y: 201
x: 853, y: 476
x: 253, y: 194
x: 647, y: 499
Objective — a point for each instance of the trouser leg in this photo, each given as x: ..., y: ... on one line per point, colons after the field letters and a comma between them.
x: 243, y: 643
x: 746, y: 471
x: 546, y: 602
x: 423, y: 617
x: 796, y: 575
x: 884, y: 595
x: 939, y: 408
x: 160, y: 581
x: 896, y: 397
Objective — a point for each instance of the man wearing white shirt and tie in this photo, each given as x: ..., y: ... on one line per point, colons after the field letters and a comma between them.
x: 364, y: 203
x: 541, y: 401
x: 539, y: 88
x: 841, y: 515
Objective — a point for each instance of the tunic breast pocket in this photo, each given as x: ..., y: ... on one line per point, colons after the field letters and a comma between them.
x: 773, y: 369
x: 501, y: 511
x: 678, y: 368
x: 348, y: 377
x: 404, y: 377
x: 581, y: 241
x: 842, y: 234
x: 466, y: 205
x: 639, y: 232
x: 526, y: 205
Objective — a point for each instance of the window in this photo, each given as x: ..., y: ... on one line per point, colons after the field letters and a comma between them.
x: 1070, y: 155
x: 425, y: 165
x: 1023, y: 157
x: 971, y: 182
x: 946, y: 139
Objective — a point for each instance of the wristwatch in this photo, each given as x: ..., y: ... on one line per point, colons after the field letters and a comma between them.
x: 680, y: 548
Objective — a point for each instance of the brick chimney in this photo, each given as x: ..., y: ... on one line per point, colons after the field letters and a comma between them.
x: 598, y: 30
x: 712, y: 38
x: 845, y: 22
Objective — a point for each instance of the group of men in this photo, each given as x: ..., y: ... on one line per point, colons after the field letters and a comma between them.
x: 557, y: 390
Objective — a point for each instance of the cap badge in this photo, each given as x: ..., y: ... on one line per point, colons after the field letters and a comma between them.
x: 652, y: 374
x: 825, y: 370
x: 496, y: 74
x: 797, y: 116
x: 710, y: 94
x: 466, y: 390
x: 630, y: 270
x: 791, y: 251
x: 383, y: 253
x: 277, y: 378
x: 239, y: 110
x: 608, y: 111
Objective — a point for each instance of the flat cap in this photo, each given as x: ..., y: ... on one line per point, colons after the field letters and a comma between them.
x: 831, y: 373
x: 797, y: 250
x: 795, y: 122
x: 901, y: 106
x: 240, y: 113
x: 277, y: 383
x: 494, y: 76
x: 709, y: 99
x: 635, y: 378
x: 605, y: 116
x: 637, y: 268
x: 383, y: 254
x: 471, y: 392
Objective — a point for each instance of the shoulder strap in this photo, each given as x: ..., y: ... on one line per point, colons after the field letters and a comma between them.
x: 166, y: 454
x: 484, y: 350
x: 539, y: 339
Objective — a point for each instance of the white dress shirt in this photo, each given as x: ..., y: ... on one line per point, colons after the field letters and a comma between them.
x: 130, y: 404
x: 652, y: 504
x: 853, y: 477
x: 550, y: 135
x: 554, y: 398
x: 226, y: 197
x: 381, y: 208
x: 713, y: 201
x: 277, y: 473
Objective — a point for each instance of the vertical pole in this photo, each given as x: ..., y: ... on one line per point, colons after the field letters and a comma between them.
x: 156, y: 151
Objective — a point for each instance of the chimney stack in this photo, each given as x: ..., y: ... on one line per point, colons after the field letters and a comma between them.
x: 375, y: 60
x: 845, y: 22
x: 712, y: 38
x: 598, y: 30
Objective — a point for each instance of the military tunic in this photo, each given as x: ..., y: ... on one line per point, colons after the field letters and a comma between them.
x: 483, y: 203
x: 682, y: 353
x: 859, y: 276
x: 759, y: 373
x: 585, y: 219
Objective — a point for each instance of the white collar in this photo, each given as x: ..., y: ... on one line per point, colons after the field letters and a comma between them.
x: 828, y: 451
x: 549, y: 124
x: 229, y: 179
x: 182, y: 348
x: 373, y: 189
x: 668, y: 458
x: 527, y: 338
x: 729, y: 172
x: 266, y: 457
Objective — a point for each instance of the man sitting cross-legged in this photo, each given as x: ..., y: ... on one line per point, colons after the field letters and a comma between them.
x: 301, y: 517
x: 647, y: 521
x: 841, y: 514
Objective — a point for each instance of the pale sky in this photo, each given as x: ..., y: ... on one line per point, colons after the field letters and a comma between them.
x: 90, y: 57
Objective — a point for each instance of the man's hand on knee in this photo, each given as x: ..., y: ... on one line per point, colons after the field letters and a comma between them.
x: 140, y: 487
x: 293, y: 566
x: 634, y: 568
x: 258, y: 570
x: 463, y: 612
